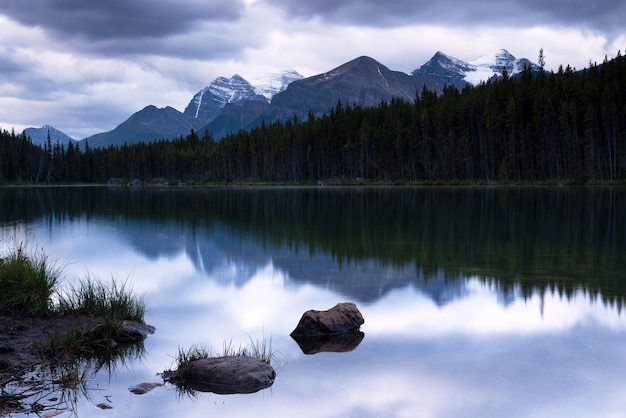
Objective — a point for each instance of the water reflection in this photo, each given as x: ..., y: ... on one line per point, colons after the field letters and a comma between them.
x: 335, y: 343
x: 364, y: 242
x: 477, y: 302
x: 55, y: 388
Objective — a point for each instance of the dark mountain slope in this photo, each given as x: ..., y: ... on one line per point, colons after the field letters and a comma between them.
x: 363, y: 81
x: 147, y: 125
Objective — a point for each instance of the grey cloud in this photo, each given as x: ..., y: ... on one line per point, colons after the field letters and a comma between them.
x: 24, y: 79
x: 119, y: 19
x: 10, y: 66
x: 602, y: 15
x: 215, y: 43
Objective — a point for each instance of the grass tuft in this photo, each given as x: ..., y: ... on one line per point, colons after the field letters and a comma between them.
x: 29, y: 284
x: 93, y: 297
x: 261, y: 350
x: 195, y: 352
x: 108, y: 304
x: 28, y: 281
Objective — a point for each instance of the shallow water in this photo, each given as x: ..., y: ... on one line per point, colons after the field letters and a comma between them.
x: 478, y: 302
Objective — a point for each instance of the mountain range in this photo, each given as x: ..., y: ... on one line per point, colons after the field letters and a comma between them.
x: 228, y: 105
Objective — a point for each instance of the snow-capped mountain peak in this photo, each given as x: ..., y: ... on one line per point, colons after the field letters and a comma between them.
x: 231, y: 90
x: 450, y: 63
x: 487, y: 66
x: 209, y: 102
x: 442, y: 69
x: 269, y: 84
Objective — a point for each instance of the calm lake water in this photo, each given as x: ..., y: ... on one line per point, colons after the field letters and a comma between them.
x: 478, y: 302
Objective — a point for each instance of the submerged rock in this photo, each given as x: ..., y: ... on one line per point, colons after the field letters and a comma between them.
x: 342, y: 318
x: 143, y: 388
x: 225, y: 375
x: 133, y: 331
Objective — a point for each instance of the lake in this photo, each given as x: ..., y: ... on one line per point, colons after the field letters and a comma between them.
x: 478, y: 301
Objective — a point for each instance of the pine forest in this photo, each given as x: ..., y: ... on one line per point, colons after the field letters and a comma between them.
x: 540, y: 127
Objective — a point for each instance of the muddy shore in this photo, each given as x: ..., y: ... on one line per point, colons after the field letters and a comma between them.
x: 22, y: 341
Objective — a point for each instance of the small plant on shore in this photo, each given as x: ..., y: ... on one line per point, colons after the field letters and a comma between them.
x: 93, y: 297
x: 28, y: 281
x: 70, y: 356
x: 108, y: 305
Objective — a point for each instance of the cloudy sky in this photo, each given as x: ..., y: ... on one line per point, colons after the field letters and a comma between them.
x: 85, y: 66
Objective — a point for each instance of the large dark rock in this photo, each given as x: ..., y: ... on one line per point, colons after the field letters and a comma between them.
x: 342, y: 318
x: 225, y: 375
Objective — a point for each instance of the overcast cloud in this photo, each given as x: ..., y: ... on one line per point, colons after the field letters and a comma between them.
x: 86, y: 66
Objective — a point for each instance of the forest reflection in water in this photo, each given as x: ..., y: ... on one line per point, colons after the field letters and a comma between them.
x: 558, y: 238
x: 478, y: 301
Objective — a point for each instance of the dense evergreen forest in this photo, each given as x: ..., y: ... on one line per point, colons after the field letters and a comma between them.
x: 568, y: 126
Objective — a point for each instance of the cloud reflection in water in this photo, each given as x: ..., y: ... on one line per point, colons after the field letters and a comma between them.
x: 472, y: 356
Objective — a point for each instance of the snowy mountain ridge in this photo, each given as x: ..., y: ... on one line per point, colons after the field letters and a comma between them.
x: 487, y: 66
x: 209, y: 102
x: 451, y: 63
x: 220, y: 92
x: 270, y: 84
x: 453, y: 71
x: 229, y: 101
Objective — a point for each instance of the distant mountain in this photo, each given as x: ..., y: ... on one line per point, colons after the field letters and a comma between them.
x: 271, y: 84
x: 362, y: 81
x: 228, y: 105
x: 442, y: 70
x: 39, y: 136
x: 149, y: 124
x: 209, y: 102
x: 489, y: 66
x: 366, y: 82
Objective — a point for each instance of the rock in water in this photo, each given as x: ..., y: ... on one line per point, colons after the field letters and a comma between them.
x: 342, y: 318
x: 227, y: 375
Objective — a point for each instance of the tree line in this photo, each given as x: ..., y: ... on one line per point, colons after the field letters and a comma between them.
x: 564, y: 126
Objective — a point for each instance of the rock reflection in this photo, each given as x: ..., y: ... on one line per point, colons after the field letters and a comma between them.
x: 336, y: 343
